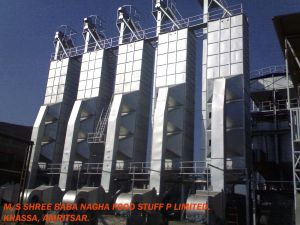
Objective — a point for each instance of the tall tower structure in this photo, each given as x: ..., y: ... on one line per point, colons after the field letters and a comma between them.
x: 102, y: 116
x: 49, y: 129
x: 173, y: 109
x: 92, y: 105
x: 225, y: 102
x: 128, y: 119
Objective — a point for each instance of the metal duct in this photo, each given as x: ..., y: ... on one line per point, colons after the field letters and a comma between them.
x: 217, y: 135
x: 44, y: 194
x: 159, y: 140
x: 85, y: 195
x: 111, y: 143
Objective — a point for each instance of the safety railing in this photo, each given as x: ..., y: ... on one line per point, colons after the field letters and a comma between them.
x: 145, y: 167
x: 97, y: 168
x: 93, y: 168
x: 55, y: 168
x: 268, y: 70
x: 295, y: 119
x: 150, y: 33
x: 267, y: 106
x: 194, y: 167
x: 181, y: 167
x: 139, y: 167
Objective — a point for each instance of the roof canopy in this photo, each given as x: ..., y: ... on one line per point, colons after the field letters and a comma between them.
x: 287, y: 28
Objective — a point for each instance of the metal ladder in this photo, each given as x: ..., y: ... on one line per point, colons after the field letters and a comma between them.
x: 98, y: 136
x: 24, y: 172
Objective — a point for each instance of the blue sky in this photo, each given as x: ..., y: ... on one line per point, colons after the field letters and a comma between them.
x: 27, y: 28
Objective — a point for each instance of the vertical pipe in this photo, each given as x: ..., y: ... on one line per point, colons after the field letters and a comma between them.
x: 204, y: 84
x: 24, y: 173
x: 275, y: 126
x: 291, y: 122
x: 205, y: 11
x: 158, y: 22
x: 122, y: 32
x: 218, y: 135
x: 87, y: 41
x: 57, y: 47
x: 253, y: 175
x: 287, y: 73
x: 298, y: 125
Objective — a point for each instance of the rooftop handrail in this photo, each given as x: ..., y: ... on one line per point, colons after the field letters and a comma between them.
x: 280, y: 104
x: 268, y: 70
x: 177, y: 166
x: 151, y: 32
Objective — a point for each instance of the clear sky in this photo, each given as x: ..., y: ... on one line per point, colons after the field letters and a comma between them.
x: 27, y: 28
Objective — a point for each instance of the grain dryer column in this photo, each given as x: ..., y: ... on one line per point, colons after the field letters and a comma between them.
x: 173, y: 119
x: 126, y: 138
x: 227, y: 85
x: 95, y: 87
x: 225, y: 104
x: 49, y: 129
